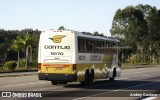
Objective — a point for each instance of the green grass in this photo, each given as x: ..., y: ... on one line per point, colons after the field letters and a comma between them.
x: 20, y: 69
x: 140, y: 65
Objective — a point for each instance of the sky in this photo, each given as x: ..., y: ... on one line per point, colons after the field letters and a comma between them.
x: 78, y: 15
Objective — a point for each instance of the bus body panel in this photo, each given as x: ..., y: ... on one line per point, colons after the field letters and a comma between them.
x: 56, y: 52
x: 60, y: 60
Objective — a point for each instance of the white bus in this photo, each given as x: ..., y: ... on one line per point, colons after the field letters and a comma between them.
x: 68, y: 56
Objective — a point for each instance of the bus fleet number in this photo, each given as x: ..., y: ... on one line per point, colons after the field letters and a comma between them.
x: 56, y: 53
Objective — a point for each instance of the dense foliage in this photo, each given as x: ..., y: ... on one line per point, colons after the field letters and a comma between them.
x: 17, y: 45
x: 10, y: 66
x: 138, y: 28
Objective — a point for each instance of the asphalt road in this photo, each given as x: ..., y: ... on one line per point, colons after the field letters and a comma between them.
x: 132, y: 85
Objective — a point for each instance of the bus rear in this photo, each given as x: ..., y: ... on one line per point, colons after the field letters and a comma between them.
x: 56, y: 56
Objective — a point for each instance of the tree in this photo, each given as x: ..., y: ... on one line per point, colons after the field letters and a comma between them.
x: 5, y: 42
x: 3, y: 52
x: 26, y: 42
x: 139, y: 27
x: 61, y: 28
x: 152, y: 17
x: 16, y: 46
x: 97, y: 34
x: 129, y: 24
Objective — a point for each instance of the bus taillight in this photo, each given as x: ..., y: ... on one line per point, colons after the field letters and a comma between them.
x: 46, y: 64
x: 74, y: 66
x: 39, y: 66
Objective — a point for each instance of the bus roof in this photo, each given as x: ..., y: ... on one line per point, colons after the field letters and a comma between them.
x: 85, y: 35
x: 95, y: 37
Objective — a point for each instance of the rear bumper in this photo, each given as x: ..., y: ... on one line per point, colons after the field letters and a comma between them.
x: 57, y: 77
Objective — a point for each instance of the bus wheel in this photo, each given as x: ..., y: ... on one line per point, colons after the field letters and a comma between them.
x: 54, y: 83
x: 91, y: 76
x: 86, y: 79
x: 111, y: 79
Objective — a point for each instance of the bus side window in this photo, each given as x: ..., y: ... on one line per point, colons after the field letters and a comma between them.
x: 88, y: 45
x: 115, y: 46
x: 84, y: 45
x: 98, y: 46
x: 79, y: 47
x: 109, y: 47
x: 101, y: 46
x: 97, y: 49
x: 112, y: 47
x: 95, y: 46
x: 105, y: 47
x: 92, y: 45
x: 115, y: 49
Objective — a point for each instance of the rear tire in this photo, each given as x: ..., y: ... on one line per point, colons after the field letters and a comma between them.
x: 111, y: 79
x: 91, y: 76
x: 54, y: 83
x: 86, y: 81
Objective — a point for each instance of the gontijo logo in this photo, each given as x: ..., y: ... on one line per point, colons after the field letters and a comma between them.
x: 57, y: 38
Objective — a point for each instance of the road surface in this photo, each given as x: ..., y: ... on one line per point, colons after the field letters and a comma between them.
x: 132, y: 85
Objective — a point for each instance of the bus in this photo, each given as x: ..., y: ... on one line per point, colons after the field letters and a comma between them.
x: 71, y: 56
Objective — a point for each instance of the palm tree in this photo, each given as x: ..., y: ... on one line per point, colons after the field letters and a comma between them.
x: 16, y: 47
x: 23, y: 42
x: 27, y: 41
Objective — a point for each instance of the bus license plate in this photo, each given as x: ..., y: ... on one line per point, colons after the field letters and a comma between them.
x: 58, y: 68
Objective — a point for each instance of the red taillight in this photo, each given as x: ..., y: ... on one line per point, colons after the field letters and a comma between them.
x: 65, y: 66
x: 39, y: 66
x: 74, y: 66
x: 46, y: 64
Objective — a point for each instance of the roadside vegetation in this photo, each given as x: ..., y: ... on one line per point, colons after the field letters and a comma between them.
x: 18, y: 49
x: 137, y: 28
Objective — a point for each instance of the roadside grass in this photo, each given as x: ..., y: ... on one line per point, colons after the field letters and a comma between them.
x: 142, y: 65
x: 20, y: 69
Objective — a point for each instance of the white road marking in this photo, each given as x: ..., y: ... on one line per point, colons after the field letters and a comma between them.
x: 146, y: 75
x: 150, y: 98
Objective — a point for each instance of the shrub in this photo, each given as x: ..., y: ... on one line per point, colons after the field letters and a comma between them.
x: 22, y: 63
x: 10, y: 66
x: 33, y: 64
